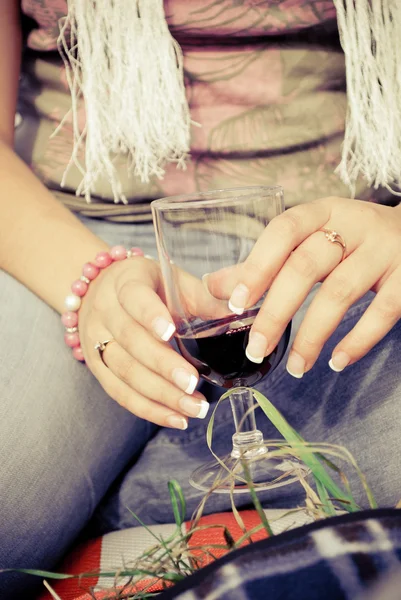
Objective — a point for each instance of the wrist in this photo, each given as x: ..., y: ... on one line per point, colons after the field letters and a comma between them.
x: 79, y: 288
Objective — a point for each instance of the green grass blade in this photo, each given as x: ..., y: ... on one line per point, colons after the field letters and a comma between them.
x: 142, y: 524
x: 256, y: 501
x: 40, y: 573
x: 310, y: 460
x: 327, y: 505
x: 177, y: 501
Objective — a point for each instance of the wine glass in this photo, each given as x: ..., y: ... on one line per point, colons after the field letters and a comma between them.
x: 198, y: 234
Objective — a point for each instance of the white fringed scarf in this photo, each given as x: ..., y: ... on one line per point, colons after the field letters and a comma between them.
x: 121, y: 58
x: 370, y: 33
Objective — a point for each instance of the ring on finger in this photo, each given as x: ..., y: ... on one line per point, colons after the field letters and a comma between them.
x: 101, y: 347
x: 335, y: 238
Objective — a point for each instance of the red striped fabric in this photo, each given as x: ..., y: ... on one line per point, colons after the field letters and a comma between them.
x: 83, y: 559
x: 115, y: 549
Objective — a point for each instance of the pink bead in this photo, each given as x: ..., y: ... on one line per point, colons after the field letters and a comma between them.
x: 79, y: 288
x: 103, y: 260
x: 69, y: 319
x: 90, y: 271
x: 136, y: 252
x: 118, y: 253
x: 78, y: 354
x: 72, y: 339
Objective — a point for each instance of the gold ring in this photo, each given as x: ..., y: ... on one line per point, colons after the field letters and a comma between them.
x: 101, y: 347
x: 335, y: 238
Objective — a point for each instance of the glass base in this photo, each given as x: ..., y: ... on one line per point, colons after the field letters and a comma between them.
x: 265, y: 472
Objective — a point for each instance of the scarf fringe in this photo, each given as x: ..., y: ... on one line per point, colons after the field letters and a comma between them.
x: 370, y: 33
x: 121, y: 58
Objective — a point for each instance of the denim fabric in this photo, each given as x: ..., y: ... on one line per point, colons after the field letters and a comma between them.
x: 70, y: 456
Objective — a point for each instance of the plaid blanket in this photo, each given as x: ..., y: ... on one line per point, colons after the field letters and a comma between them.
x: 353, y: 556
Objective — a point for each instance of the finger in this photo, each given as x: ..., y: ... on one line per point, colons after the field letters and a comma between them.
x: 137, y: 294
x: 342, y: 288
x: 281, y: 236
x: 159, y: 358
x: 151, y: 385
x: 380, y: 317
x: 136, y: 403
x: 221, y: 283
x: 197, y: 299
x: 306, y: 265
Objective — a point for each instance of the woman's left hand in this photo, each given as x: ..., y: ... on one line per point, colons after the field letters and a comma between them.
x: 293, y: 254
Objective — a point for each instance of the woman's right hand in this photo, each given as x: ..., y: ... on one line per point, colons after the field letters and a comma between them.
x: 142, y: 372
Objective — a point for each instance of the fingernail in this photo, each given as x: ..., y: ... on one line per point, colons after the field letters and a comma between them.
x: 238, y: 299
x: 185, y: 380
x: 256, y: 348
x: 296, y: 365
x: 163, y: 328
x: 339, y: 361
x: 204, y: 279
x: 194, y: 407
x: 177, y: 422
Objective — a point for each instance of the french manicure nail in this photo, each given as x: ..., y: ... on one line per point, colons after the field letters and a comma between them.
x: 339, y: 361
x: 177, y: 422
x: 256, y: 348
x: 238, y: 299
x: 194, y: 407
x: 163, y: 328
x: 296, y: 365
x: 185, y: 380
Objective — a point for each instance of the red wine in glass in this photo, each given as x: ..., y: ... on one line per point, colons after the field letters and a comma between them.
x: 202, y: 233
x: 217, y: 350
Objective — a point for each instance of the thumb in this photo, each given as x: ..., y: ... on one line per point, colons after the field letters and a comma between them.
x: 222, y: 282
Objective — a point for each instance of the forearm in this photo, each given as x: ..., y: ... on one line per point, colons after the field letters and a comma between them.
x: 42, y: 244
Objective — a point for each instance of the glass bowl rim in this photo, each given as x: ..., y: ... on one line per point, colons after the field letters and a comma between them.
x: 206, y: 197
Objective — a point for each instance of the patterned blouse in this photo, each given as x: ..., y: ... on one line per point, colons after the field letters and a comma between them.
x: 264, y: 78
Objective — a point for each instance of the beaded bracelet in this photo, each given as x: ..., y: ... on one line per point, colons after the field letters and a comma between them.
x: 79, y: 288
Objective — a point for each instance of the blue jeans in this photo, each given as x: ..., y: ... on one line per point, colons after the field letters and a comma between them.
x: 70, y: 456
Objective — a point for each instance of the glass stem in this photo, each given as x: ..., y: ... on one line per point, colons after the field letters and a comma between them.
x: 247, y: 439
